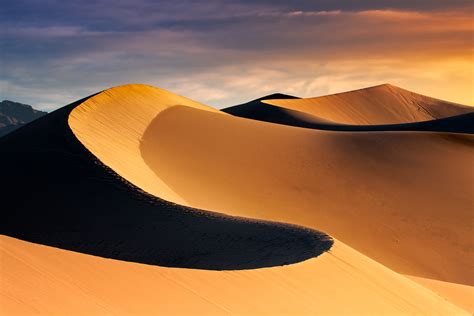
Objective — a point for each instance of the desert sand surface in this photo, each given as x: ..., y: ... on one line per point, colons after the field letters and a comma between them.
x: 385, y: 194
x: 459, y: 294
x: 51, y: 281
x: 281, y: 113
x: 77, y: 203
x: 383, y: 104
x: 126, y: 122
x: 138, y: 174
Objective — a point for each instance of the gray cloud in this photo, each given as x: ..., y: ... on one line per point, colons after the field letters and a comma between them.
x: 221, y: 52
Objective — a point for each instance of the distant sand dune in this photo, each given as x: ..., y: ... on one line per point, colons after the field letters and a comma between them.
x: 462, y: 123
x: 367, y: 110
x: 379, y: 105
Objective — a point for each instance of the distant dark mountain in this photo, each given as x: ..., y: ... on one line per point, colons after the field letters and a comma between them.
x: 14, y: 115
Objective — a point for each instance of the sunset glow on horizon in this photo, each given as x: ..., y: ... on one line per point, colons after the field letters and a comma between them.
x: 228, y: 52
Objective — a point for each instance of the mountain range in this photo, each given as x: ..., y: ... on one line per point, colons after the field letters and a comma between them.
x: 14, y: 115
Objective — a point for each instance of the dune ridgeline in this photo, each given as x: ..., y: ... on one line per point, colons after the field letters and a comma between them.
x: 139, y: 201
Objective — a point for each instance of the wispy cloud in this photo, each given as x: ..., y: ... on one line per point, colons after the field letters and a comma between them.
x: 226, y: 52
x: 314, y: 13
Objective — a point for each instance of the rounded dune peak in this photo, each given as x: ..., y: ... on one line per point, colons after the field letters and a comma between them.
x: 132, y: 170
x: 382, y: 86
x: 386, y: 84
x: 276, y: 95
x: 131, y: 90
x: 91, y: 191
x: 383, y: 104
x: 384, y: 107
x: 106, y: 131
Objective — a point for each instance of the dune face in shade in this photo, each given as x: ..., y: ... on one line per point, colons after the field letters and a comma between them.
x: 384, y: 194
x: 361, y: 110
x: 133, y: 173
x: 74, y: 202
x: 113, y: 121
x: 380, y: 105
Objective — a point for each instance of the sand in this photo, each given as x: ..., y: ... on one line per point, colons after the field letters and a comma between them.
x: 389, y: 195
x: 38, y: 279
x: 383, y: 104
x: 107, y: 171
x: 74, y: 202
x: 107, y: 119
x: 281, y: 113
x: 459, y: 294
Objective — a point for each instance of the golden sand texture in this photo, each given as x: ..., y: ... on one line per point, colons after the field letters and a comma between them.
x: 389, y: 195
x: 122, y: 114
x: 44, y: 280
x: 459, y: 294
x: 384, y: 194
x: 384, y: 104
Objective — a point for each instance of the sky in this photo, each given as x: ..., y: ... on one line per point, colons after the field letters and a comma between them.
x: 222, y: 53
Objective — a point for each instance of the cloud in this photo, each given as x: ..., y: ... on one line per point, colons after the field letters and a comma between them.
x: 226, y: 52
x: 313, y: 13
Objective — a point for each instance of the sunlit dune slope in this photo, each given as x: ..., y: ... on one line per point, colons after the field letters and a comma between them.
x: 261, y: 111
x: 122, y: 114
x: 403, y: 199
x: 59, y: 194
x: 39, y: 279
x: 384, y: 104
x: 394, y: 186
x: 459, y: 294
x: 103, y: 174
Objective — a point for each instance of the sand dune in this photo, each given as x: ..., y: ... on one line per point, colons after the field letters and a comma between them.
x: 74, y: 202
x: 379, y: 105
x: 262, y: 110
x: 123, y: 114
x: 39, y: 279
x: 388, y: 195
x: 459, y: 294
x: 132, y: 172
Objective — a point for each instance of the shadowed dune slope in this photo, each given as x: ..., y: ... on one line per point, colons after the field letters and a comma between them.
x: 39, y: 279
x: 100, y: 171
x: 122, y: 114
x: 59, y: 194
x: 395, y: 186
x: 403, y: 199
x: 320, y: 179
x: 379, y: 105
x: 253, y: 108
x: 257, y: 110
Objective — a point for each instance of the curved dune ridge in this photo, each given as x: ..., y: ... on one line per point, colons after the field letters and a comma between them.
x: 77, y: 203
x: 133, y: 173
x: 379, y: 105
x: 388, y: 195
x: 113, y: 115
x: 275, y: 109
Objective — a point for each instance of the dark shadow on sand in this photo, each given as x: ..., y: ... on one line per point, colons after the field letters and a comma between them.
x: 55, y: 192
x: 257, y: 110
